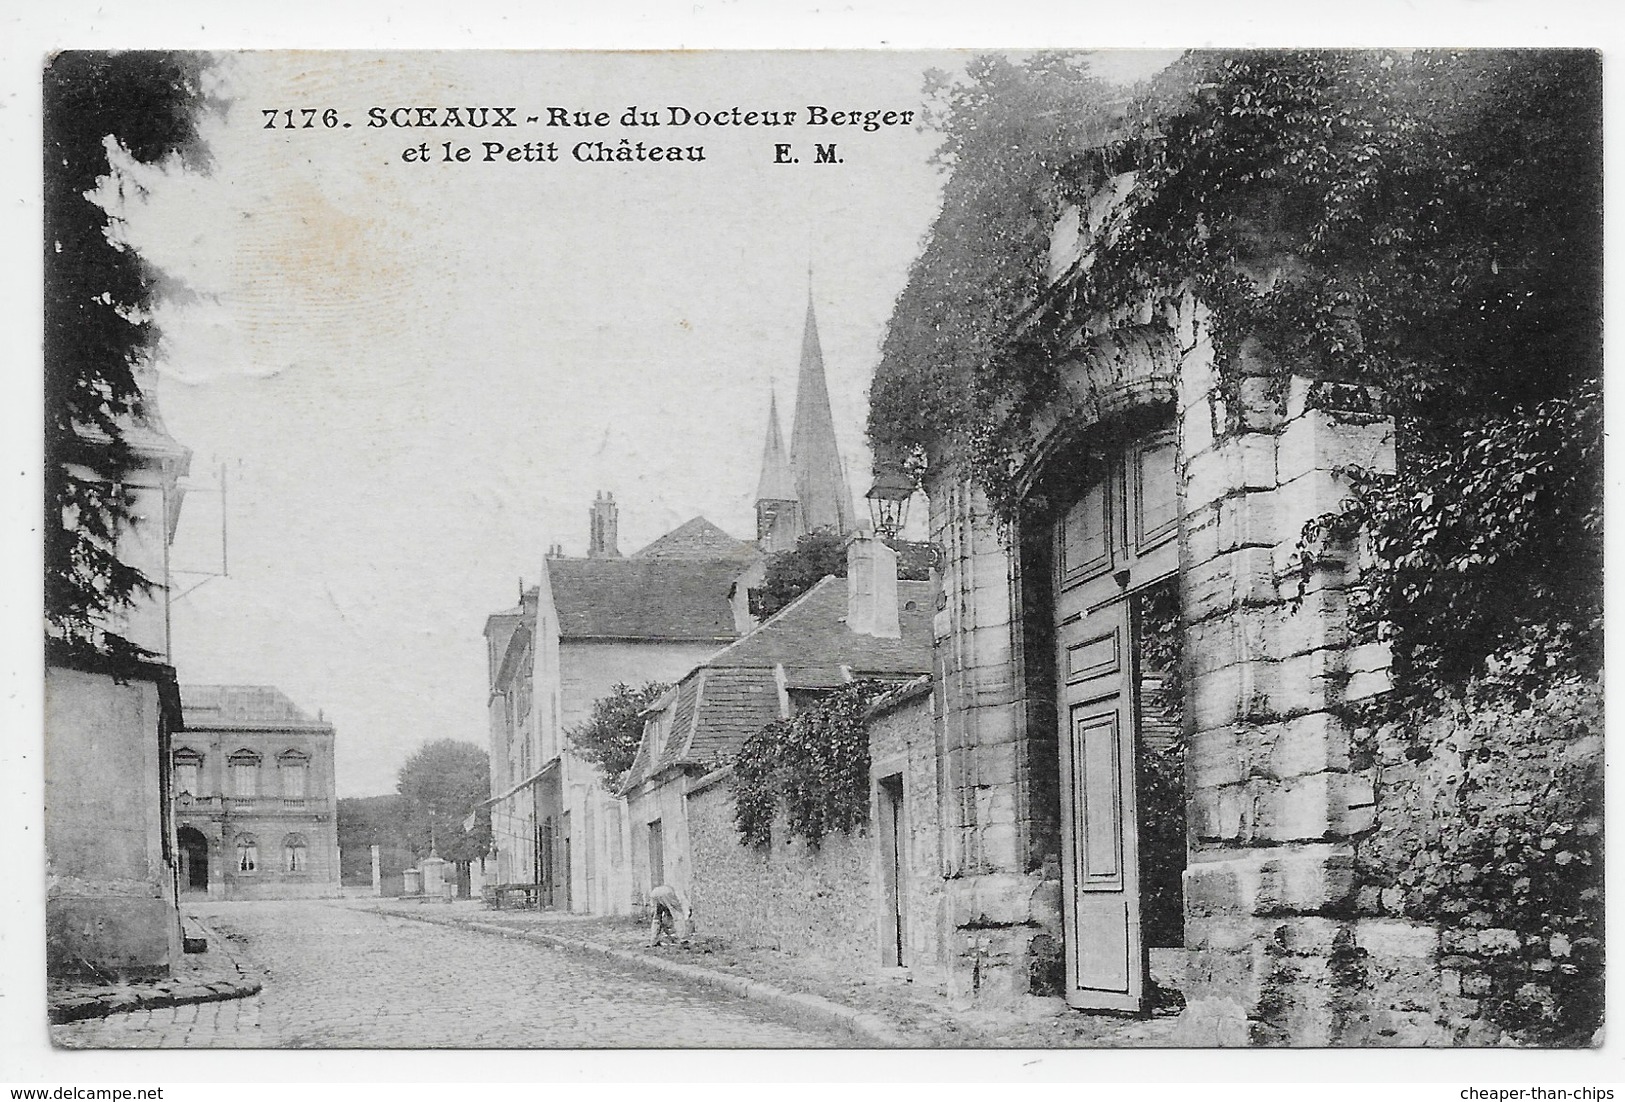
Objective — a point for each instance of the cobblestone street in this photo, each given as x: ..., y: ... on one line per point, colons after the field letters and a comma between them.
x: 343, y: 977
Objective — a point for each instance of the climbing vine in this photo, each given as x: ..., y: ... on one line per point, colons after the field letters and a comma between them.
x: 1426, y: 221
x: 1485, y: 544
x: 814, y: 765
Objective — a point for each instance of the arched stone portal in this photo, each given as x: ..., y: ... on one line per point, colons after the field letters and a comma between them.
x: 1273, y: 795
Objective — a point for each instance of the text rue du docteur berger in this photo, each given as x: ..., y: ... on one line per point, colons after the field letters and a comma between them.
x: 593, y: 146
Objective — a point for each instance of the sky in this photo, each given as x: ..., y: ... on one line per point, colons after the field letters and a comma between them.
x: 412, y: 378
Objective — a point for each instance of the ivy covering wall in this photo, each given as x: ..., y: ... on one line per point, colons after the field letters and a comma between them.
x: 814, y: 765
x: 1428, y: 221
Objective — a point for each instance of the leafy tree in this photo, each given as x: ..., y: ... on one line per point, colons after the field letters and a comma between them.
x: 609, y: 739
x: 98, y: 324
x: 438, y: 786
x: 816, y: 556
x: 364, y: 822
x: 1011, y: 132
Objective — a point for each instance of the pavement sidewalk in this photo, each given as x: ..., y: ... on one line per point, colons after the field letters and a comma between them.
x: 220, y: 972
x: 905, y: 1011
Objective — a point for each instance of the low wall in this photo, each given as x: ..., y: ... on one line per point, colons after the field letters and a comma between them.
x: 1488, y: 837
x: 813, y: 902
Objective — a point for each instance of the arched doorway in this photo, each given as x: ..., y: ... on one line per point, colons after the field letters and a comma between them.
x: 194, y: 859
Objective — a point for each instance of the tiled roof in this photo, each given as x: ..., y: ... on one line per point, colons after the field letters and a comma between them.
x: 644, y: 598
x: 241, y: 706
x: 736, y: 703
x: 697, y: 539
x: 683, y: 714
x: 714, y: 712
x: 737, y: 692
x: 811, y: 632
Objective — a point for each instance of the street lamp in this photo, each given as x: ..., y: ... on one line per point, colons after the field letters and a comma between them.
x: 888, y: 498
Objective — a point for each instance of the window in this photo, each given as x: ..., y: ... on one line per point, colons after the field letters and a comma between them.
x: 245, y: 773
x: 293, y: 853
x: 188, y: 770
x: 294, y: 768
x: 248, y: 853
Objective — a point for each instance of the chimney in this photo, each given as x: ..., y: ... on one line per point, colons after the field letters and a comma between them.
x: 871, y: 588
x: 602, y: 539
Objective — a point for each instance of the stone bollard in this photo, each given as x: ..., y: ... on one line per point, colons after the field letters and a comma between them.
x: 434, y: 876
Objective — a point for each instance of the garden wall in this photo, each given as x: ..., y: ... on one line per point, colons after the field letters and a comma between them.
x: 813, y: 902
x: 1489, y: 835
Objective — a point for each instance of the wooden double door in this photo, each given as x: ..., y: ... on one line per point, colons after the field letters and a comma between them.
x: 1116, y: 539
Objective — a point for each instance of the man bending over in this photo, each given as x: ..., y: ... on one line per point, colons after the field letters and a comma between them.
x: 672, y: 915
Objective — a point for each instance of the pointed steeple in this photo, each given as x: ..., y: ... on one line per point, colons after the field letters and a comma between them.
x: 776, y: 483
x: 815, y: 459
x: 778, y: 517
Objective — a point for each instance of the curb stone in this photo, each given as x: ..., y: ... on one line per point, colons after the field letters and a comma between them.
x: 802, y: 1003
x: 174, y: 991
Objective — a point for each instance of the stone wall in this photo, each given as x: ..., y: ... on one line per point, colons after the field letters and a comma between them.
x: 903, y: 744
x: 110, y: 884
x: 1488, y: 835
x: 1000, y: 850
x: 813, y: 902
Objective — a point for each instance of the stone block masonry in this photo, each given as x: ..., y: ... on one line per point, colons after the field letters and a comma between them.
x: 1329, y: 891
x: 1000, y: 855
x: 1275, y: 951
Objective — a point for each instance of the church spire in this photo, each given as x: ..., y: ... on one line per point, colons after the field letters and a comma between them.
x: 815, y: 459
x: 776, y: 483
x: 778, y: 521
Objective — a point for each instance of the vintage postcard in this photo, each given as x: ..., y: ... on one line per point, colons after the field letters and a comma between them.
x: 1013, y: 550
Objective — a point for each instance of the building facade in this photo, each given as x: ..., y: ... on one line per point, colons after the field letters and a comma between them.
x: 109, y: 835
x: 590, y: 624
x: 607, y: 619
x: 1164, y: 586
x: 867, y: 625
x: 255, y: 796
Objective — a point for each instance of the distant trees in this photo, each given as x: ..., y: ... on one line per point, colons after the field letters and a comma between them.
x: 364, y: 822
x: 609, y: 739
x: 438, y: 787
x: 98, y: 321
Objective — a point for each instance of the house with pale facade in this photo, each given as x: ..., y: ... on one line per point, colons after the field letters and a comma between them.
x: 255, y: 796
x: 594, y: 622
x: 589, y: 624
